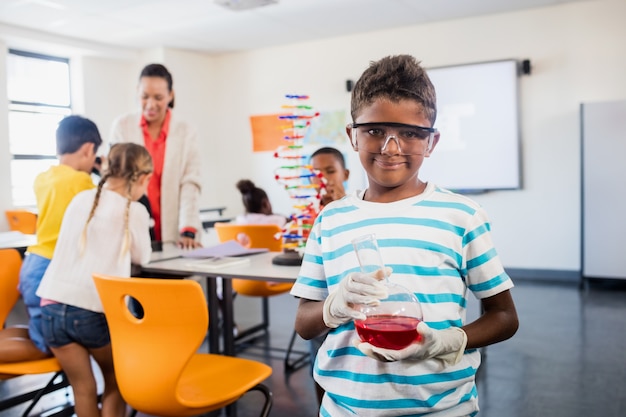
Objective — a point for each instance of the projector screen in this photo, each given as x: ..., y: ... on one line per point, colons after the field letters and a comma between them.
x: 479, y: 148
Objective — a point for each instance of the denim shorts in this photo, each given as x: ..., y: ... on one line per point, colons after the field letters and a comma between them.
x: 33, y: 269
x: 63, y: 324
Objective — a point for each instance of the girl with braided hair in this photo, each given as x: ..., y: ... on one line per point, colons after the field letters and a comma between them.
x: 103, y: 231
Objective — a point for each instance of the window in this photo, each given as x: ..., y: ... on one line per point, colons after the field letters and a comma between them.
x: 39, y: 97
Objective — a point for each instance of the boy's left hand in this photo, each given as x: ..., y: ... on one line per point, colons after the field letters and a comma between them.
x: 446, y: 345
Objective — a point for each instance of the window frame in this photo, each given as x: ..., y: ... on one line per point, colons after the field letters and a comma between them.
x: 35, y: 107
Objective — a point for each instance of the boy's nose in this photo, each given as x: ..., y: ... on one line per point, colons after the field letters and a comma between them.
x: 385, y: 147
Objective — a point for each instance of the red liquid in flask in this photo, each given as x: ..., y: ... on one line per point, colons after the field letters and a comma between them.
x: 387, y: 331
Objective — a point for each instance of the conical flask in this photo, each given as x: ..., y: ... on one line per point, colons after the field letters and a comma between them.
x: 391, y: 324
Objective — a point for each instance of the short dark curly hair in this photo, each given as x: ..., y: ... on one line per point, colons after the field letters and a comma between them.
x: 395, y: 78
x: 73, y: 132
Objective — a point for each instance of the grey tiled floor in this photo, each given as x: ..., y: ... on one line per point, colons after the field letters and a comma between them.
x: 568, y: 358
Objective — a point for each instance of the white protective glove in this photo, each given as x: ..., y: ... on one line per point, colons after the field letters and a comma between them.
x: 354, y: 290
x: 446, y: 345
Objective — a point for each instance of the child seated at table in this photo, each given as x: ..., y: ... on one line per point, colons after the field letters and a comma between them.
x: 77, y: 141
x: 257, y: 205
x: 103, y: 231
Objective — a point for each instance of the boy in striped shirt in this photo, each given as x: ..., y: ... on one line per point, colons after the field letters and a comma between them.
x: 438, y: 245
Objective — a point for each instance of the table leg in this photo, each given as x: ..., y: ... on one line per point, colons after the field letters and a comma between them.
x: 229, y: 324
x: 228, y: 313
x: 212, y: 305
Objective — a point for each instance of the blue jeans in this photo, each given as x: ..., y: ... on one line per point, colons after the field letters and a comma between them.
x: 33, y: 268
x: 63, y: 324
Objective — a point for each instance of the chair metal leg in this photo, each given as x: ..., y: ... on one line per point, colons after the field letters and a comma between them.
x: 244, y: 336
x: 244, y: 339
x: 41, y: 393
x: 35, y: 396
x: 302, y: 359
x: 231, y: 410
x: 267, y: 406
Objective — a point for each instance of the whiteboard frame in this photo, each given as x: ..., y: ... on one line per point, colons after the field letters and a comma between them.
x: 487, y: 154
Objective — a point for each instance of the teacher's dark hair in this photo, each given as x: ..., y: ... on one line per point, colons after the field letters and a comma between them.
x: 158, y: 70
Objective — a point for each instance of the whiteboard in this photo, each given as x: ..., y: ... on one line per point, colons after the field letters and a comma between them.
x: 477, y: 115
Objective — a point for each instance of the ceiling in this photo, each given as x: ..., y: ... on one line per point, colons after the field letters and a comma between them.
x: 203, y: 25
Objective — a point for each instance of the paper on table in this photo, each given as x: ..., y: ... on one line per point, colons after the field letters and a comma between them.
x: 229, y: 248
x: 212, y: 264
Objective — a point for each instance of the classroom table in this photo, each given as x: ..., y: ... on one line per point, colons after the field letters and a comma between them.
x: 16, y: 240
x: 259, y: 267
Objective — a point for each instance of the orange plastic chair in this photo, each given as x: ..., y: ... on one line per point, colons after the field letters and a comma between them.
x: 158, y: 369
x: 22, y: 221
x: 11, y: 261
x: 260, y: 236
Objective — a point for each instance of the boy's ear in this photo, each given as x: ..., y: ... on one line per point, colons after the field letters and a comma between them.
x: 88, y: 148
x: 346, y: 174
x: 431, y: 146
x: 352, y: 141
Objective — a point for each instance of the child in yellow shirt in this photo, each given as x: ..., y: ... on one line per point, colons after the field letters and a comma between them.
x: 77, y: 141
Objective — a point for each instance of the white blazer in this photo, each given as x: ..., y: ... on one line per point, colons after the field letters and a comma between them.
x: 180, y: 183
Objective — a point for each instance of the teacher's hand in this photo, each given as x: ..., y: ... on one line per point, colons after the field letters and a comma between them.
x: 188, y: 243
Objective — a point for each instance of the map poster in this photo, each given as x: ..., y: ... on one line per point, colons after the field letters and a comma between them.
x: 329, y: 129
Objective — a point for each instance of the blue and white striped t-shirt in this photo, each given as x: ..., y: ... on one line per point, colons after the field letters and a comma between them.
x: 439, y: 246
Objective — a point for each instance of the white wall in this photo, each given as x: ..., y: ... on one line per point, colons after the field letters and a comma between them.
x: 197, y: 102
x: 107, y: 91
x: 577, y: 55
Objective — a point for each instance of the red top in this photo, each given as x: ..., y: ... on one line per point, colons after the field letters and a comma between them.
x: 156, y: 148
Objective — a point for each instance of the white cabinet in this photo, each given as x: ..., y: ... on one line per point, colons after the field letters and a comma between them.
x: 604, y: 189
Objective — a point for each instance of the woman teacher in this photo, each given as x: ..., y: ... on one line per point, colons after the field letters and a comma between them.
x: 174, y: 190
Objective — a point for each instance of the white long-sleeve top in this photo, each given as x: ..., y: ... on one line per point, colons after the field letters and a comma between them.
x: 68, y: 279
x: 180, y: 182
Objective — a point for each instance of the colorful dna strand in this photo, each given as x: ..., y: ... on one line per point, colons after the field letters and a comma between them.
x: 295, y: 175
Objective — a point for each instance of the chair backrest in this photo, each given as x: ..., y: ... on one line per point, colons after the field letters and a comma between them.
x: 257, y: 236
x: 22, y: 221
x: 10, y: 261
x: 151, y: 352
x: 251, y: 235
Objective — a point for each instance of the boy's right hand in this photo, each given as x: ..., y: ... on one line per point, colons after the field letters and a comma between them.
x: 446, y: 345
x: 354, y: 290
